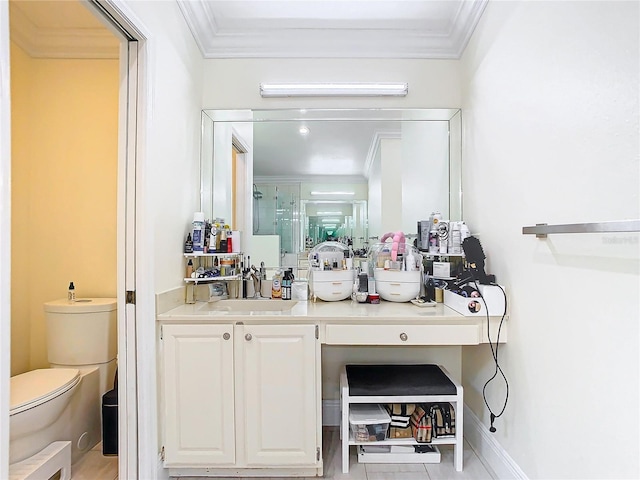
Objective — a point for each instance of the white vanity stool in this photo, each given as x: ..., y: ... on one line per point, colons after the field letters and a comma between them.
x: 425, y: 383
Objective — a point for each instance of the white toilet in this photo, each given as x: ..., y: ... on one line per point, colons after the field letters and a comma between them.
x: 64, y: 402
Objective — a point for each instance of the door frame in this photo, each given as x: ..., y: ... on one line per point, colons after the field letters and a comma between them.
x: 137, y: 427
x: 5, y: 238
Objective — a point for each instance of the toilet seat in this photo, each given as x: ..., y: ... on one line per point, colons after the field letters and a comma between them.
x: 30, y: 389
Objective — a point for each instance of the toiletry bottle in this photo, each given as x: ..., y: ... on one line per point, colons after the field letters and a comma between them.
x: 213, y: 238
x: 276, y: 285
x: 189, y: 268
x: 410, y: 262
x: 72, y: 293
x: 188, y: 245
x: 198, y: 232
x: 223, y: 241
x: 464, y: 232
x: 286, y: 282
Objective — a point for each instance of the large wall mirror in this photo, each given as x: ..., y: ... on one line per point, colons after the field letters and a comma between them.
x: 298, y: 177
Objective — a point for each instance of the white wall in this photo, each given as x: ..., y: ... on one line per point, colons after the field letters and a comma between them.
x: 168, y: 187
x: 235, y: 83
x: 551, y: 135
x: 172, y: 171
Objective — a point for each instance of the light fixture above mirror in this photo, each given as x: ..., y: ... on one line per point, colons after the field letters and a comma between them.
x: 333, y: 89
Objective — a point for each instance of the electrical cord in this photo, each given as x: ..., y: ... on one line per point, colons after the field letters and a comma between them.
x: 494, y: 354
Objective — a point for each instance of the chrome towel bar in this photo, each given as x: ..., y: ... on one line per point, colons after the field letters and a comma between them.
x: 541, y: 230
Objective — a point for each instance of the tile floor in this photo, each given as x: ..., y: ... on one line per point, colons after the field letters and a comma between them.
x: 94, y: 466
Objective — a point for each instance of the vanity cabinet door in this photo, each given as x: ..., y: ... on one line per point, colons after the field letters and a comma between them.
x: 281, y: 394
x: 198, y: 383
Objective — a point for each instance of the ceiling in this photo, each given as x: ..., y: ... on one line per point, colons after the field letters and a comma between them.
x: 267, y: 28
x: 330, y: 148
x: 332, y: 28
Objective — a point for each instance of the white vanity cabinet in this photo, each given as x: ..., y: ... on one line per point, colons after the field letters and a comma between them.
x: 198, y: 385
x: 242, y: 398
x: 278, y: 393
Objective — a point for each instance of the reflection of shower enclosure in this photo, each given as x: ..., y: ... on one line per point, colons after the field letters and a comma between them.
x: 276, y: 211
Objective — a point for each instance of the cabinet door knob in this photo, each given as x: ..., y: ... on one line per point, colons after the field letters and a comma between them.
x: 403, y: 337
x: 226, y: 336
x: 248, y: 337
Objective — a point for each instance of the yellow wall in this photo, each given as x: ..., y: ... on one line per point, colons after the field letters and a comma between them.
x: 64, y: 190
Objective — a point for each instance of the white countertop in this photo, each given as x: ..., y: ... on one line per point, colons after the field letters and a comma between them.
x: 348, y: 322
x: 339, y: 312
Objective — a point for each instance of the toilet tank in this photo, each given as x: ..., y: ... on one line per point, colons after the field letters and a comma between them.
x: 81, y: 332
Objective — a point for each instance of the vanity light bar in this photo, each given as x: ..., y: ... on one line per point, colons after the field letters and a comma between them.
x: 333, y: 89
x: 333, y: 193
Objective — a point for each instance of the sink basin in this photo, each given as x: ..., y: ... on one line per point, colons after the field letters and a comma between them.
x: 249, y: 306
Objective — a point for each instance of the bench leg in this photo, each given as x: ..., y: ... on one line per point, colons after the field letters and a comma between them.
x: 344, y: 427
x: 458, y: 449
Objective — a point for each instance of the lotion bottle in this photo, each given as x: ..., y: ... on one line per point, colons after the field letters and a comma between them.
x: 72, y: 293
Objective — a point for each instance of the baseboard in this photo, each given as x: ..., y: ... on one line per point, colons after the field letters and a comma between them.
x: 489, y: 450
x: 330, y: 413
x: 162, y: 473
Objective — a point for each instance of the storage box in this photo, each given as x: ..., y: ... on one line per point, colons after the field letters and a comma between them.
x: 397, y: 285
x: 441, y: 269
x: 475, y: 306
x: 331, y: 285
x: 369, y: 422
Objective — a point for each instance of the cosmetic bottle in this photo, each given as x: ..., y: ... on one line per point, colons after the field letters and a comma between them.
x: 198, y: 232
x: 189, y: 268
x: 223, y: 241
x: 72, y: 293
x: 188, y: 245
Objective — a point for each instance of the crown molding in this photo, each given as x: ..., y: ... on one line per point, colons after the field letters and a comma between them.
x: 95, y: 43
x: 260, y: 39
x: 375, y: 146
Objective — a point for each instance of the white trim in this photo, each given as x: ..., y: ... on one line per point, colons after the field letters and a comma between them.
x: 334, y: 179
x: 330, y: 413
x: 137, y: 401
x: 5, y: 238
x: 374, y: 147
x: 61, y: 42
x: 264, y: 40
x: 490, y: 452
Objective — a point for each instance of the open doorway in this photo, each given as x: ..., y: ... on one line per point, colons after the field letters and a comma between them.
x: 108, y: 251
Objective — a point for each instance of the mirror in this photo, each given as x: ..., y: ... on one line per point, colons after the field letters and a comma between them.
x: 354, y: 173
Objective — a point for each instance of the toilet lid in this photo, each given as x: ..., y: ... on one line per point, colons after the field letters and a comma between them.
x: 38, y: 386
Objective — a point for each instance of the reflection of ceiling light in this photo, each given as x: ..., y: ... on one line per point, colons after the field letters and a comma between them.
x: 330, y: 225
x: 329, y: 213
x: 333, y: 89
x: 333, y: 193
x: 304, y: 130
x: 331, y: 220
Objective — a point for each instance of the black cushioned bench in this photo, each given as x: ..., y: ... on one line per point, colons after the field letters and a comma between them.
x: 421, y: 383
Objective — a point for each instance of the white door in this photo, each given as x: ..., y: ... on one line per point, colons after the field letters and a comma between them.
x: 198, y: 382
x: 5, y: 238
x: 280, y: 395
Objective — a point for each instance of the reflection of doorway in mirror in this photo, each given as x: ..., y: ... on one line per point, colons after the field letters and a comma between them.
x: 276, y: 211
x: 338, y: 220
